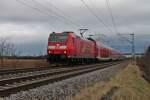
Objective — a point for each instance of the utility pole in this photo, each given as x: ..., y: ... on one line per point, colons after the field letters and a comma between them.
x: 133, y: 48
x: 132, y: 45
x: 82, y: 31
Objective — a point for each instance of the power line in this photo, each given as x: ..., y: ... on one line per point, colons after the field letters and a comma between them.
x: 64, y: 14
x: 111, y: 15
x: 93, y: 13
x: 124, y: 38
x: 114, y: 23
x: 41, y: 11
x: 97, y: 10
x: 56, y: 14
x: 37, y: 9
x: 110, y: 11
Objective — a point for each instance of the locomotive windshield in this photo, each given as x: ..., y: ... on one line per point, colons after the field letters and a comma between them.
x: 62, y: 37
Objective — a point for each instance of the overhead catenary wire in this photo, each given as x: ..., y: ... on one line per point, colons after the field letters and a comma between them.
x: 35, y: 8
x: 114, y: 23
x: 112, y: 17
x: 46, y: 11
x: 64, y: 14
x: 66, y: 20
x: 98, y: 10
x: 97, y: 17
x: 51, y: 13
x: 41, y: 11
x: 102, y: 17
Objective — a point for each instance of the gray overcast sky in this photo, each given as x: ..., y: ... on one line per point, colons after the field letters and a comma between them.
x: 26, y: 25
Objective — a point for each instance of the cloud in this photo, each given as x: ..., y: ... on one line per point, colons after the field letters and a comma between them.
x: 26, y: 25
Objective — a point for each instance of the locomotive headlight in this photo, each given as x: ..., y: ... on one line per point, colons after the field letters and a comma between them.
x: 65, y: 52
x: 49, y: 52
x: 63, y: 47
x: 51, y: 47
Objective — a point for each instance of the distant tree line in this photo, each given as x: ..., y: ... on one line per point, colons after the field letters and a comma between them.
x: 9, y: 51
x: 7, y: 48
x: 144, y: 64
x: 26, y: 57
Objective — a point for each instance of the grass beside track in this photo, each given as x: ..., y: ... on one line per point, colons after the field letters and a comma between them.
x: 126, y: 85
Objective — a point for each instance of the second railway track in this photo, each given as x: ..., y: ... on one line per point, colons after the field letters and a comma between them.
x: 12, y: 85
x: 9, y: 73
x: 24, y: 70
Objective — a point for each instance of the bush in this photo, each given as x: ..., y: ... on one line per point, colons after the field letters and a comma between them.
x: 144, y: 64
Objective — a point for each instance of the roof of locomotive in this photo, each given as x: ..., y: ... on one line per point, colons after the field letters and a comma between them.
x: 86, y: 39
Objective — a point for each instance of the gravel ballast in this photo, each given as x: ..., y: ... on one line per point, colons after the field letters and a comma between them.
x: 59, y: 90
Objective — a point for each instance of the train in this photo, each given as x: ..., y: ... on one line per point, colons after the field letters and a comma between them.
x: 67, y: 47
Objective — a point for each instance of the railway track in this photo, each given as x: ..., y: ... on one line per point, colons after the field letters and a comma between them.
x: 12, y: 85
x: 28, y: 71
x: 24, y: 70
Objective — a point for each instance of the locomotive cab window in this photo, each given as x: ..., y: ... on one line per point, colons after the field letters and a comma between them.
x: 62, y: 37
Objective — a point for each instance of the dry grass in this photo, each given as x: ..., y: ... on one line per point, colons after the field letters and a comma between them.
x: 131, y: 86
x: 23, y: 63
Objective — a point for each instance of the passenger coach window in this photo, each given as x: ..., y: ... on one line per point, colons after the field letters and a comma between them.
x: 62, y: 37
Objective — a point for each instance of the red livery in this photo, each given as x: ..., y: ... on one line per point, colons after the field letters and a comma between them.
x: 68, y: 47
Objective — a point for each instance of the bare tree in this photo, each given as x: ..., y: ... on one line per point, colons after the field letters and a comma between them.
x: 7, y: 48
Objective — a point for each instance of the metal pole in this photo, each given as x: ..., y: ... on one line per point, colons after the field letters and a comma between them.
x: 133, y: 48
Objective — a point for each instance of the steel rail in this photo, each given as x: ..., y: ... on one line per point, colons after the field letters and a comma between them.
x: 13, y: 88
x: 52, y: 72
x: 23, y: 70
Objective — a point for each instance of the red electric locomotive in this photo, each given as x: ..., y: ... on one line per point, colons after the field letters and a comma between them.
x: 68, y: 47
